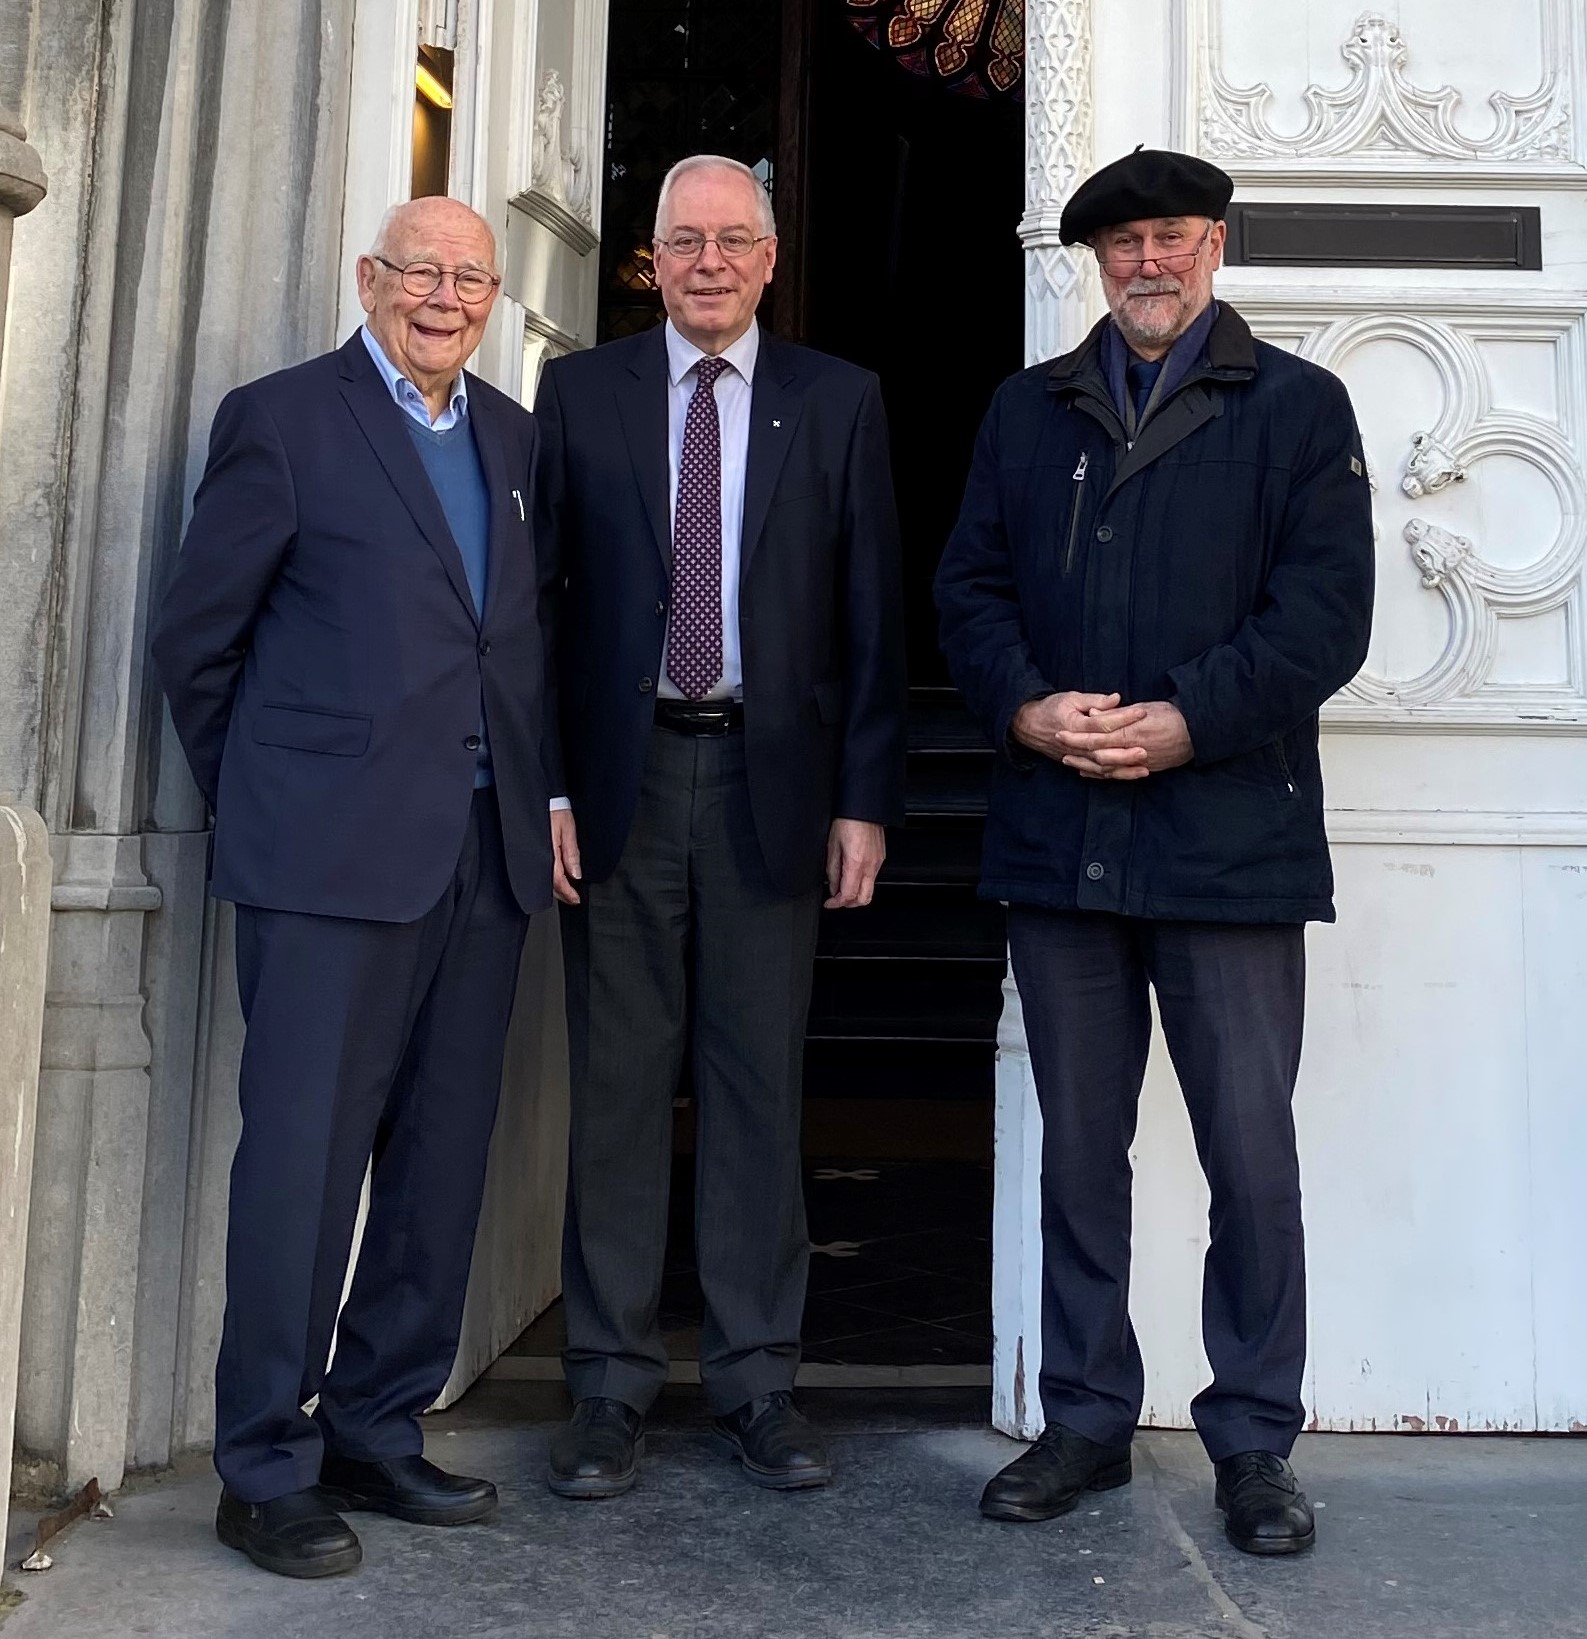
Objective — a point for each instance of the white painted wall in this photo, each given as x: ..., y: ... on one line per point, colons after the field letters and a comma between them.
x: 1442, y: 1122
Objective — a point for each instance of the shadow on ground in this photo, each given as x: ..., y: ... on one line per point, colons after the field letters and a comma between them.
x: 1441, y: 1538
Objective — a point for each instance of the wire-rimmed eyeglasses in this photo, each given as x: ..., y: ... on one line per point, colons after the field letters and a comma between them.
x: 686, y: 245
x: 1117, y: 266
x: 472, y: 284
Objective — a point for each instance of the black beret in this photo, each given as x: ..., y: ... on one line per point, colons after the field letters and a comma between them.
x: 1150, y: 182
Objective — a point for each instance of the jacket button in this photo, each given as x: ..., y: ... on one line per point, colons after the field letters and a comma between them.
x: 471, y: 743
x: 1104, y: 533
x: 645, y: 685
x: 484, y: 645
x: 1095, y: 871
x: 661, y: 607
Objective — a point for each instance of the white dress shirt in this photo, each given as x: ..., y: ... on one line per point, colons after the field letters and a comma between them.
x: 734, y: 388
x: 409, y: 399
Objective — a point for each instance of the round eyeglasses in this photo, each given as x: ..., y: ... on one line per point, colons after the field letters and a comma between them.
x: 686, y: 245
x: 424, y: 279
x: 1127, y: 267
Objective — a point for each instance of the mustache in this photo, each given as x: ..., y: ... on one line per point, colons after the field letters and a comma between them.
x: 1153, y: 287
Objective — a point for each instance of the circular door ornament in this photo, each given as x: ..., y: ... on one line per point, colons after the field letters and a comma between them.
x: 973, y: 46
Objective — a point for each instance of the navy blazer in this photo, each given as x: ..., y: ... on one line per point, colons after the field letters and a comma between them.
x: 324, y: 661
x: 820, y: 610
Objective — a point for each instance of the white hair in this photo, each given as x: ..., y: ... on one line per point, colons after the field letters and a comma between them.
x: 382, y: 242
x: 716, y: 162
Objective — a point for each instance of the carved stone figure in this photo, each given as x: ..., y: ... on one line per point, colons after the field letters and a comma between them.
x: 555, y: 173
x: 1431, y: 468
x: 546, y: 161
x: 1437, y: 551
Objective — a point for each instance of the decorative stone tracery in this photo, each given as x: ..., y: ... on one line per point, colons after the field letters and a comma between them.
x: 1058, y: 149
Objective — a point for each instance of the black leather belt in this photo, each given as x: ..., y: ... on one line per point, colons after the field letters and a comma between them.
x: 699, y: 716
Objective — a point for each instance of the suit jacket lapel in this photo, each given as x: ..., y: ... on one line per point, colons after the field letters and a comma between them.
x: 498, y: 480
x: 642, y: 406
x: 775, y: 405
x: 381, y: 421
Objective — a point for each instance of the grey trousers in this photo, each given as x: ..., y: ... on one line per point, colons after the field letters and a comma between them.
x: 687, y: 947
x: 1232, y: 1002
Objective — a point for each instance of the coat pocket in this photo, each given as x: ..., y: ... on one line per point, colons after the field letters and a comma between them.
x: 308, y: 728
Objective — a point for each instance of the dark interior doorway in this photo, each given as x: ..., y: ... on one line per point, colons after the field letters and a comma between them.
x: 912, y: 267
x: 898, y: 199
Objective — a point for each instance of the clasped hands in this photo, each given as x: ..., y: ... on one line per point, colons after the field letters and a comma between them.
x: 1102, y: 740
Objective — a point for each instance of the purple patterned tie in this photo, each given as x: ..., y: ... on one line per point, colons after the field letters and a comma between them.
x: 694, y: 638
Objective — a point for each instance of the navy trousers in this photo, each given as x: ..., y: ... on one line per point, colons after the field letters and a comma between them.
x: 1231, y: 998
x: 368, y: 1042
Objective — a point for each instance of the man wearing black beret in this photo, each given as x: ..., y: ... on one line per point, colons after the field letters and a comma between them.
x: 1162, y: 569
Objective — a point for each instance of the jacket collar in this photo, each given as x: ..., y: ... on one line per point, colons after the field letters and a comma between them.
x: 1230, y: 355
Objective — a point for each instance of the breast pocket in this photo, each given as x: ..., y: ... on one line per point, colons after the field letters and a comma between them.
x: 309, y: 728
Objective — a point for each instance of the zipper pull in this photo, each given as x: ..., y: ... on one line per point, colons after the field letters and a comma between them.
x: 1080, y: 471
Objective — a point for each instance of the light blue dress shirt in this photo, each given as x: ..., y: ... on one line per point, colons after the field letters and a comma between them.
x: 409, y: 399
x: 734, y: 391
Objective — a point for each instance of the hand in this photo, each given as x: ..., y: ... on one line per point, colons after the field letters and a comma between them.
x: 855, y: 851
x: 1039, y: 724
x: 1128, y: 744
x: 564, y: 856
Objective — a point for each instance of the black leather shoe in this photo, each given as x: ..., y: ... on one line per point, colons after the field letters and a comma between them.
x: 1264, y: 1509
x: 1053, y: 1476
x: 295, y: 1535
x: 597, y: 1453
x: 409, y: 1488
x: 776, y: 1444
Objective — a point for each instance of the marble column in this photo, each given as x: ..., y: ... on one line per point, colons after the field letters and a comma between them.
x: 24, y: 844
x: 192, y: 241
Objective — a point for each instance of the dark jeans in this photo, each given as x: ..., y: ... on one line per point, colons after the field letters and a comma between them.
x: 687, y: 946
x: 1231, y: 998
x: 366, y: 1041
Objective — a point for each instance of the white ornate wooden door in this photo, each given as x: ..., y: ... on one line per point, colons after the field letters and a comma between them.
x: 1443, y: 1128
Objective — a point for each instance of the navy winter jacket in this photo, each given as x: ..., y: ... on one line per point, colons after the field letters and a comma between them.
x: 1224, y: 563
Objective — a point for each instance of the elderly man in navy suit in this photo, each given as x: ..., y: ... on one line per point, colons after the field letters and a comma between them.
x: 351, y: 644
x: 730, y: 660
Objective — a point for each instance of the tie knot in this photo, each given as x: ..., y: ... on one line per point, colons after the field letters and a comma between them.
x: 707, y: 370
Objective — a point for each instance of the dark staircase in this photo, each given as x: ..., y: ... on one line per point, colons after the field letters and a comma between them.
x: 908, y: 992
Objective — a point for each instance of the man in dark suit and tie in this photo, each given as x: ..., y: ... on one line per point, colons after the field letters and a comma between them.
x: 730, y: 660
x: 352, y: 648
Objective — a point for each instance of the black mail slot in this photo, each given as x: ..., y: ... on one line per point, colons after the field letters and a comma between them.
x: 1477, y: 236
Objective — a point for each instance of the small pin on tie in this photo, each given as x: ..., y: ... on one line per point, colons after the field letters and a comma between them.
x: 776, y: 423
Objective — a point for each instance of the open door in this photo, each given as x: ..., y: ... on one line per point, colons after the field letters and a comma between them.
x: 500, y: 103
x: 539, y: 80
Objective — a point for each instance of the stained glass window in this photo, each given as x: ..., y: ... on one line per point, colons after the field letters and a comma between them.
x: 974, y: 46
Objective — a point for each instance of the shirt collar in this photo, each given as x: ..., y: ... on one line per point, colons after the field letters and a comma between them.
x: 683, y: 355
x: 1177, y: 363
x: 404, y: 391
